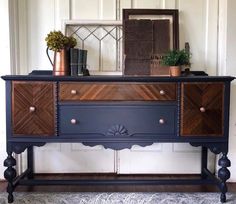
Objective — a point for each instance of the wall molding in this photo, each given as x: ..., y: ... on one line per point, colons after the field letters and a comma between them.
x: 18, y: 36
x: 14, y: 38
x: 62, y: 12
x: 222, y: 37
x: 23, y: 67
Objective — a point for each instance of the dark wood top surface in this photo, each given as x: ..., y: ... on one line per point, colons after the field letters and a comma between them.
x: 40, y: 76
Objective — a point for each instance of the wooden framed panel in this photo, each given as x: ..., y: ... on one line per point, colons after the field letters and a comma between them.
x: 147, y: 35
x: 202, y: 109
x: 33, y: 108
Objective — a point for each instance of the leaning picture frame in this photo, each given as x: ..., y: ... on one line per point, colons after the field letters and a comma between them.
x: 147, y: 35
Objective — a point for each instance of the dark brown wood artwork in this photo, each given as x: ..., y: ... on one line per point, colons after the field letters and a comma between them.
x: 202, y: 109
x: 33, y: 108
x: 117, y: 91
x: 145, y: 40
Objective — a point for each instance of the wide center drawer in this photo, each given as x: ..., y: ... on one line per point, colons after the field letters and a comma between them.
x: 117, y: 120
x: 116, y: 91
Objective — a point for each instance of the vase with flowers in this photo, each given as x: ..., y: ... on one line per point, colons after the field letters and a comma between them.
x: 60, y: 44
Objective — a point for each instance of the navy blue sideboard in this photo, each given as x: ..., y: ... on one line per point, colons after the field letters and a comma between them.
x: 117, y: 112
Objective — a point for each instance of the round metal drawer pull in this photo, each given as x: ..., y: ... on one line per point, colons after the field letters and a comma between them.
x: 32, y: 109
x: 161, y: 121
x: 73, y: 92
x: 162, y: 92
x: 73, y: 121
x: 202, y: 109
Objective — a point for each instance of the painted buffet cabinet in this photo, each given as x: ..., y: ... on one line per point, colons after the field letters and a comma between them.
x: 117, y: 112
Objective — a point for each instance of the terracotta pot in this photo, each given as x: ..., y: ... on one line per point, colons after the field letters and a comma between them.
x: 175, y: 71
x: 60, y: 63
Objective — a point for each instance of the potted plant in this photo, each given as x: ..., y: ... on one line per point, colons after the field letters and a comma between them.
x: 175, y: 59
x: 60, y: 44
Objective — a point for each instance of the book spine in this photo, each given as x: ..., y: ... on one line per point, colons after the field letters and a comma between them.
x: 82, y: 61
x: 74, y: 55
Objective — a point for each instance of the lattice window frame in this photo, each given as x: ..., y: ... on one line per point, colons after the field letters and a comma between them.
x: 99, y: 24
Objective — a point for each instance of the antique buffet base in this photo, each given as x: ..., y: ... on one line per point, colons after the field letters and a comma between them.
x: 117, y: 112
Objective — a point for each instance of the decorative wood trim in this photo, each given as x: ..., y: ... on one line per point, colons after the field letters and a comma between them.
x: 117, y: 91
x: 193, y: 97
x: 41, y: 97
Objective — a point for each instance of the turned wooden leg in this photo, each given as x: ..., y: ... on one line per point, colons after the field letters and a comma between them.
x: 10, y: 174
x: 30, y: 162
x: 224, y: 175
x: 204, y: 162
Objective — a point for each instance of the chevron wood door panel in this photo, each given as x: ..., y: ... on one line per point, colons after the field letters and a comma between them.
x: 33, y: 108
x: 202, y: 109
x: 117, y: 91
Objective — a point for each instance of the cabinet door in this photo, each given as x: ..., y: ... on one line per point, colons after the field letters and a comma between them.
x: 33, y: 108
x: 202, y: 108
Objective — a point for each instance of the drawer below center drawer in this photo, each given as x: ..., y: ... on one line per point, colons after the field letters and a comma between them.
x: 117, y: 121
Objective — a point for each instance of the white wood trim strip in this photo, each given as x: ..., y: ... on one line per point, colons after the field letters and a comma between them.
x: 67, y: 22
x: 13, y: 27
x: 222, y: 37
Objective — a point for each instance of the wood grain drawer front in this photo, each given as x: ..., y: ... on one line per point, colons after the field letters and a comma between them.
x: 117, y: 91
x: 118, y: 121
x: 202, y: 109
x: 33, y: 108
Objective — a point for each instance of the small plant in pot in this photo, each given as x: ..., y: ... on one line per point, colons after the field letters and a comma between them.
x: 60, y: 44
x: 175, y: 59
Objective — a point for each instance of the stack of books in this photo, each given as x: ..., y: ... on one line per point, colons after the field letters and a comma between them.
x: 78, y: 61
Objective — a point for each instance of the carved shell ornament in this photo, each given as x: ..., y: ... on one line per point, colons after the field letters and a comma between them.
x: 117, y: 131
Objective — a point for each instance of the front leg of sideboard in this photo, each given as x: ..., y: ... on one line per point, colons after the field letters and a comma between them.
x: 224, y: 175
x: 204, y: 161
x: 30, y: 162
x: 224, y: 163
x: 10, y: 162
x: 10, y: 174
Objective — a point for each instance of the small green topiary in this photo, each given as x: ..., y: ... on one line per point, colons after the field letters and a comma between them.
x: 176, y: 58
x: 56, y: 41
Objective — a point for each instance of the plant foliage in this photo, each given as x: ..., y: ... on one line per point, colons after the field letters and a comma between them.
x: 176, y: 58
x: 56, y: 41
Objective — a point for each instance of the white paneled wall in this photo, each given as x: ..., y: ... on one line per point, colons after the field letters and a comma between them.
x: 41, y: 19
x: 5, y: 69
x: 230, y: 70
x: 195, y: 22
x: 84, y: 9
x: 198, y: 26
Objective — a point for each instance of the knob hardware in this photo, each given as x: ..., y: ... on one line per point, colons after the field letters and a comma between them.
x: 73, y: 92
x: 161, y: 121
x: 162, y: 92
x: 202, y: 109
x: 73, y: 121
x: 32, y: 109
